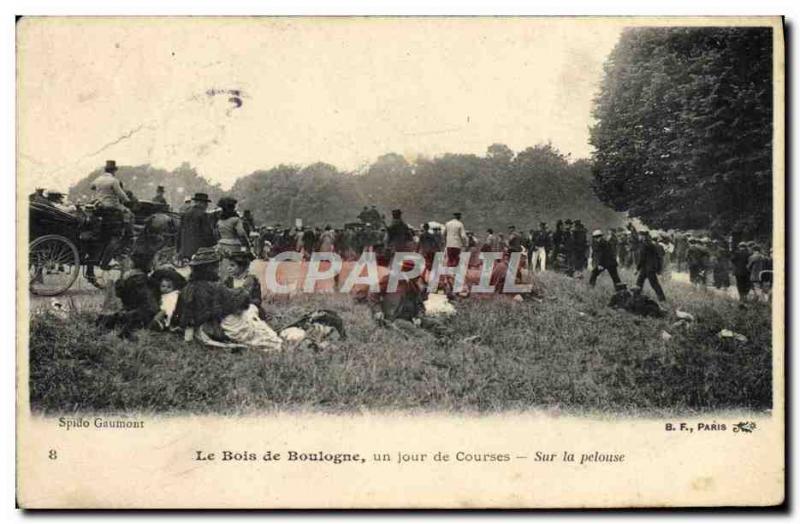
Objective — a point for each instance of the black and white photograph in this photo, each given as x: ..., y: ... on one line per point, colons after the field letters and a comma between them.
x: 577, y: 218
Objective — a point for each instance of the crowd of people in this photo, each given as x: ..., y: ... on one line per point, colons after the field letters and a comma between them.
x: 220, y: 301
x: 568, y: 248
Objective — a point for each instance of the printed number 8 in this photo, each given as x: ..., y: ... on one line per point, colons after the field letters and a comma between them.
x: 52, y: 455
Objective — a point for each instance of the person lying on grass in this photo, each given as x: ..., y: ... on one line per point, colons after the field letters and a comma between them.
x: 217, y: 315
x: 634, y: 301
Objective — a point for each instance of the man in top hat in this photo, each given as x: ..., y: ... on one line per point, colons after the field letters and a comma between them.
x: 399, y: 237
x: 455, y: 239
x: 108, y: 189
x: 197, y: 227
x: 603, y: 258
x: 112, y: 202
x: 159, y: 198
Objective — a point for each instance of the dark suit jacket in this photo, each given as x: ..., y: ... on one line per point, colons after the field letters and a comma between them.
x: 197, y: 230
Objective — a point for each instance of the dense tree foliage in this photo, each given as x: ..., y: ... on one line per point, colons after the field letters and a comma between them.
x: 492, y: 191
x: 683, y: 137
x: 496, y: 190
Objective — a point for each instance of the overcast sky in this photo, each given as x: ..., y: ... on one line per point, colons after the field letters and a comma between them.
x: 343, y: 91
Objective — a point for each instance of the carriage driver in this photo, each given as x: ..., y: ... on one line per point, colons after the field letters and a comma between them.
x: 111, y: 200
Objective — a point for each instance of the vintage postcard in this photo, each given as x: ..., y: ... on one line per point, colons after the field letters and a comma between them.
x: 376, y: 262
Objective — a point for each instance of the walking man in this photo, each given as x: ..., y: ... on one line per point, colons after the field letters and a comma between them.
x: 649, y: 265
x: 455, y: 239
x: 603, y: 258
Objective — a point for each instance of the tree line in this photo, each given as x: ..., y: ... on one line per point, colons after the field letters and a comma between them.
x: 498, y: 189
x: 683, y: 133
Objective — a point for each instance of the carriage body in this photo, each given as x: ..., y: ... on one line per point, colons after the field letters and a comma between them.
x: 62, y: 242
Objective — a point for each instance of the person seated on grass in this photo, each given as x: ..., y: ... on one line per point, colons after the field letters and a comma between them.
x: 403, y: 309
x: 139, y: 299
x: 239, y: 277
x: 499, y: 275
x: 634, y: 301
x: 168, y: 283
x: 217, y: 315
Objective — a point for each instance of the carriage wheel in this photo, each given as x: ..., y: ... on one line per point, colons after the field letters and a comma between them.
x: 53, y: 264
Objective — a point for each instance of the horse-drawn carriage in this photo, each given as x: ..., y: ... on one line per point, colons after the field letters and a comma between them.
x: 64, y: 243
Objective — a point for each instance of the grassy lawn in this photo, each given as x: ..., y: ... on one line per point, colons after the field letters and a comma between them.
x: 568, y: 352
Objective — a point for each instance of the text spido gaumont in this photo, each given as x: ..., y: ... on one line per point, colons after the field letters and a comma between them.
x: 326, y: 272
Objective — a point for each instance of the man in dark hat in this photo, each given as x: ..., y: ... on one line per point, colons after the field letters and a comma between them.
x: 649, y: 265
x: 159, y: 198
x: 399, y: 237
x: 197, y: 227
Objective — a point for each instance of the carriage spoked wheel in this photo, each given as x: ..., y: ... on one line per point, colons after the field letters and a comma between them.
x: 53, y: 264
